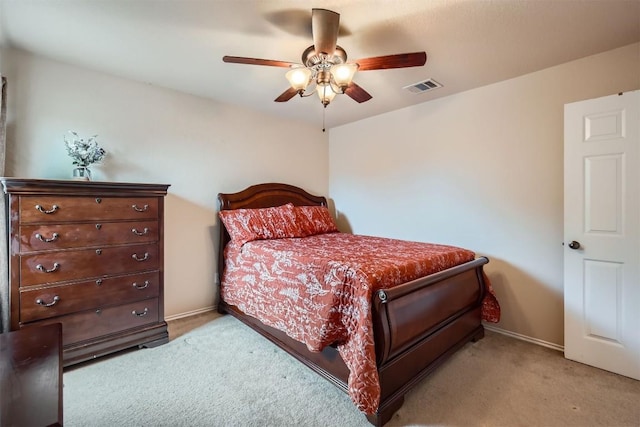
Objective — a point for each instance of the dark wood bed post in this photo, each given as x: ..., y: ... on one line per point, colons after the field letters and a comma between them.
x: 417, y: 325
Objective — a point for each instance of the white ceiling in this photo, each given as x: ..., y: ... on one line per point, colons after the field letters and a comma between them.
x: 180, y: 44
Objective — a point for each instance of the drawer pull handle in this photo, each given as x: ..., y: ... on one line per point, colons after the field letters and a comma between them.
x: 98, y: 282
x: 98, y: 200
x: 142, y: 209
x: 50, y: 211
x: 143, y: 313
x: 146, y: 285
x: 140, y: 233
x: 53, y: 238
x: 43, y: 269
x: 146, y: 257
x: 52, y: 303
x: 98, y: 226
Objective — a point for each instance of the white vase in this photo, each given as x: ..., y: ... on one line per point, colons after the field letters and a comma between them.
x: 82, y: 173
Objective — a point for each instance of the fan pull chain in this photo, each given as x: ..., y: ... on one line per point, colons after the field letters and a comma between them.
x: 324, y: 110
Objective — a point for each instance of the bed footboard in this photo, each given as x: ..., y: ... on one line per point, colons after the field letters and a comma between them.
x: 408, y: 313
x: 419, y: 324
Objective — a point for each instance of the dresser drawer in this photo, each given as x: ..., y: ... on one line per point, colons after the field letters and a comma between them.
x: 37, y: 209
x: 37, y: 303
x: 103, y: 321
x: 65, y: 236
x: 58, y: 266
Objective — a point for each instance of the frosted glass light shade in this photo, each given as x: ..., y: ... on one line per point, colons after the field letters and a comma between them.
x: 343, y: 74
x: 298, y: 78
x: 325, y: 93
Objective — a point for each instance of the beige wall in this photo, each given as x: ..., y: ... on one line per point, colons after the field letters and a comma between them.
x: 484, y: 170
x: 157, y: 135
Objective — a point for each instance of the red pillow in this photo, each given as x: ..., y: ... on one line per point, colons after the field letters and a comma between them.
x: 314, y: 220
x: 245, y: 225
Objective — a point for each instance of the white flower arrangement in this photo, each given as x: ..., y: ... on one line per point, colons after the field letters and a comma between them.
x: 84, y: 153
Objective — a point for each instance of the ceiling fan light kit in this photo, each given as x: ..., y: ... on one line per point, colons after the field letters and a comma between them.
x: 327, y: 83
x: 324, y: 69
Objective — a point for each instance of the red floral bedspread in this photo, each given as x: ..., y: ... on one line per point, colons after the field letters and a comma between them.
x: 318, y: 291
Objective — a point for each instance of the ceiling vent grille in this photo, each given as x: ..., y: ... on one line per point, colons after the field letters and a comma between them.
x: 423, y: 86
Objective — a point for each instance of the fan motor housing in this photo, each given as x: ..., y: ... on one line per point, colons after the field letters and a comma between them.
x: 311, y: 59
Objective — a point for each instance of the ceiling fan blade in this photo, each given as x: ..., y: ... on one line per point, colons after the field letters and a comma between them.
x: 257, y: 61
x: 324, y: 27
x: 286, y: 95
x: 356, y: 93
x: 401, y: 60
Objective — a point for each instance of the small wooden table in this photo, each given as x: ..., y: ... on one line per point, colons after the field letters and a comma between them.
x: 31, y: 376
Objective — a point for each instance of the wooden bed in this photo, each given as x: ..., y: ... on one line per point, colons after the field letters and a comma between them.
x: 417, y: 325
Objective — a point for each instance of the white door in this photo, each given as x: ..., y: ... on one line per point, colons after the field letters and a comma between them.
x: 602, y: 233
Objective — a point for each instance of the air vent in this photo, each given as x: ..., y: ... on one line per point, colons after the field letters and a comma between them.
x: 423, y: 86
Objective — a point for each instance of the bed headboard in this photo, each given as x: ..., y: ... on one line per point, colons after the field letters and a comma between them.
x: 261, y: 196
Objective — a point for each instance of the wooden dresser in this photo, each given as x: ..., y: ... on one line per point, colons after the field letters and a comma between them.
x: 88, y: 255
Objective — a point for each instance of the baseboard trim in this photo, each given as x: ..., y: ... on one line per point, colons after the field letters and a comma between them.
x: 537, y: 341
x: 189, y: 313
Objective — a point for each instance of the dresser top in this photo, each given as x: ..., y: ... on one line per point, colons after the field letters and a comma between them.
x: 52, y: 186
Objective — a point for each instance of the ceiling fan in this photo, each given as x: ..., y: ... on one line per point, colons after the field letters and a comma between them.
x: 324, y: 68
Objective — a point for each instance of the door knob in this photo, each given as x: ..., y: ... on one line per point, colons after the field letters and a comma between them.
x: 574, y: 245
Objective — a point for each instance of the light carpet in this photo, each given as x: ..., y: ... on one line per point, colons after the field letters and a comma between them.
x: 224, y: 374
